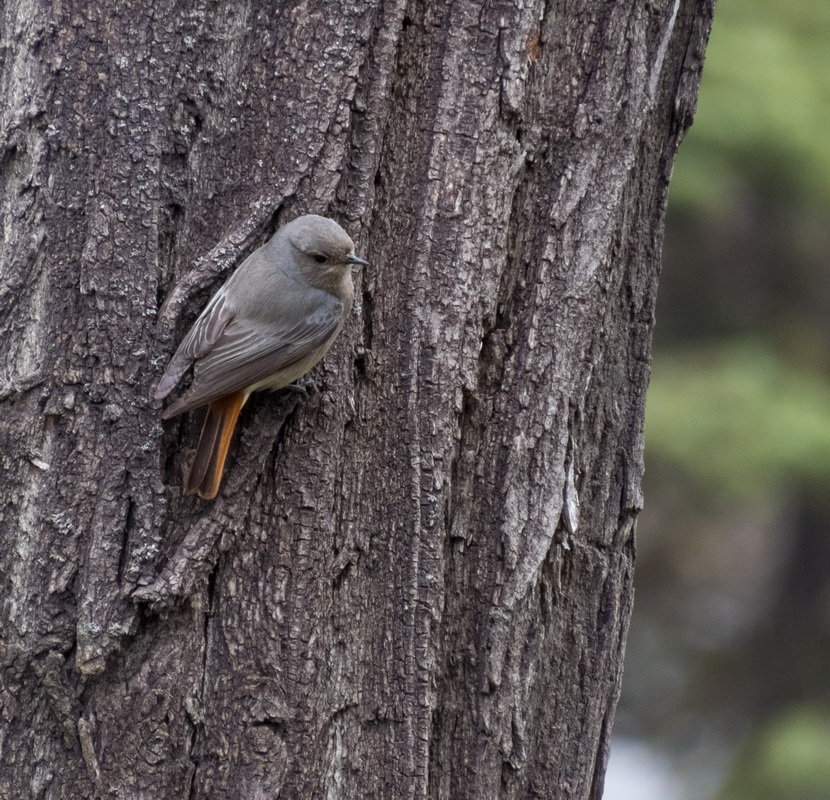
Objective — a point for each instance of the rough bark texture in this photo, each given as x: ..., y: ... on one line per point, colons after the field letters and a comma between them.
x: 415, y: 583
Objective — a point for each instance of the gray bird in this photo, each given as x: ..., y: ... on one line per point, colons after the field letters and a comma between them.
x: 270, y: 323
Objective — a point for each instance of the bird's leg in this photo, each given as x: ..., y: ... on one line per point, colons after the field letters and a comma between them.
x: 304, y: 387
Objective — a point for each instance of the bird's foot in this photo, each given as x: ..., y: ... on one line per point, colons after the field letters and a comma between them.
x: 305, y: 388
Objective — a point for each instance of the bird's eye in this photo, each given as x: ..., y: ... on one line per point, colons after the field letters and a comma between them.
x: 320, y: 258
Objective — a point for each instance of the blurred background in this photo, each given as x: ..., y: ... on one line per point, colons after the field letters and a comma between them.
x: 726, y: 693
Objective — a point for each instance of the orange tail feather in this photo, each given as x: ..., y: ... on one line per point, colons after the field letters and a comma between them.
x: 205, y: 474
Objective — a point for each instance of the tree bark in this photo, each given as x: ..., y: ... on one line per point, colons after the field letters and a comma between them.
x: 415, y: 582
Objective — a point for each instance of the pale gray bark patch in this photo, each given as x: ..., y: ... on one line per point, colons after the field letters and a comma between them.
x: 416, y: 582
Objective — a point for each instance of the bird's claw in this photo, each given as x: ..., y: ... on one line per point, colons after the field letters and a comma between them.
x: 305, y: 388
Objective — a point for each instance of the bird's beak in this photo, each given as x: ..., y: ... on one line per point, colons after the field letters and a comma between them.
x: 353, y: 259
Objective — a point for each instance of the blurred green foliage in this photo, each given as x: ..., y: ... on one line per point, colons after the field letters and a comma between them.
x: 748, y: 249
x: 789, y: 759
x: 764, y: 108
x: 739, y: 419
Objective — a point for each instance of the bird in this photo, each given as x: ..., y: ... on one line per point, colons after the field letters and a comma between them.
x: 269, y: 324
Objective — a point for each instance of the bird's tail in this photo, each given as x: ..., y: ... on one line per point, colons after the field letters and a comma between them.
x: 209, y: 462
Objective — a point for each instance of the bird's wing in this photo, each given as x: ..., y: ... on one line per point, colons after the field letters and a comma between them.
x: 249, y: 351
x: 197, y: 343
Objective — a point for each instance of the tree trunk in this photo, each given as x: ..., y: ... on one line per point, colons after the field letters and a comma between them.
x: 416, y: 582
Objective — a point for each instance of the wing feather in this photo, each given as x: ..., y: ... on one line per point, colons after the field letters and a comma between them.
x: 198, y: 341
x: 249, y: 351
